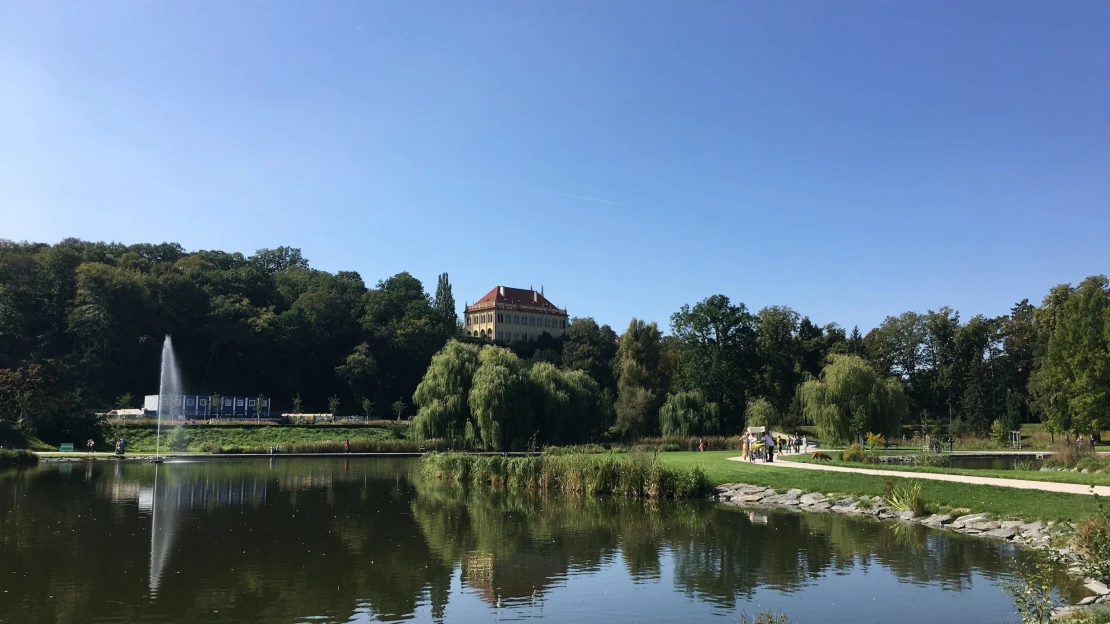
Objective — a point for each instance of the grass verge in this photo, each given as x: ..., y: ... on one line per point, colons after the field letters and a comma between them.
x: 1028, y: 475
x: 1003, y: 503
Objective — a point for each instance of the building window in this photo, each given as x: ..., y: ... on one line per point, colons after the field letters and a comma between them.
x: 516, y: 319
x: 532, y: 321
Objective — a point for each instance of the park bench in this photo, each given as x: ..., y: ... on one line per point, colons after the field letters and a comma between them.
x: 66, y: 448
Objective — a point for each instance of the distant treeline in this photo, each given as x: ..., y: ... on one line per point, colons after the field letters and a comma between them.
x: 81, y: 326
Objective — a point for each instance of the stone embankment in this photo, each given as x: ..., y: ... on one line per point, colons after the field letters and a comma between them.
x: 1030, y: 534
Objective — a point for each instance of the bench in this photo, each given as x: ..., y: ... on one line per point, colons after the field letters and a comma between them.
x: 66, y: 448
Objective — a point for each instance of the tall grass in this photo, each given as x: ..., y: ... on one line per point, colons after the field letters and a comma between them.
x: 19, y: 457
x: 634, y: 475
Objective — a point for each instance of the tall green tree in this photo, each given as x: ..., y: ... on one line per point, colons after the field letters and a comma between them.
x: 591, y: 348
x: 689, y: 414
x: 444, y: 304
x: 717, y: 353
x: 1077, y: 362
x: 762, y: 413
x: 641, y: 388
x: 443, y: 397
x: 851, y: 399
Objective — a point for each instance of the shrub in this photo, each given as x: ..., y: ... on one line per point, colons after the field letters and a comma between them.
x: 1067, y: 455
x: 853, y: 453
x: 1025, y: 464
x: 1031, y: 588
x: 1093, y: 539
x: 19, y: 457
x: 1091, y: 463
x: 906, y: 497
x: 177, y: 440
x: 999, y: 435
x: 931, y: 459
x: 875, y: 441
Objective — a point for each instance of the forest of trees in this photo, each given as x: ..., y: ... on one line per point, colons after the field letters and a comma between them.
x: 81, y: 326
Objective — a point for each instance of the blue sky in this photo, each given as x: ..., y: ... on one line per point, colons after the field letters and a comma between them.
x: 848, y: 159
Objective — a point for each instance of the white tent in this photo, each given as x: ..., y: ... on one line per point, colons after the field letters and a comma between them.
x: 757, y: 429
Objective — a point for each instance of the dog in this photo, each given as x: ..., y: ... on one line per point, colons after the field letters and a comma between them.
x: 821, y: 457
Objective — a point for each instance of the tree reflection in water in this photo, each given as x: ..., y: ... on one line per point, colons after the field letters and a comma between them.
x: 289, y: 540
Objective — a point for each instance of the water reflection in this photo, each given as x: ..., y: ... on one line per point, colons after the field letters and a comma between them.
x: 366, y: 540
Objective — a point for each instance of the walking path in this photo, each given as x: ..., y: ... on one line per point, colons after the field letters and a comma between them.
x: 1021, y: 484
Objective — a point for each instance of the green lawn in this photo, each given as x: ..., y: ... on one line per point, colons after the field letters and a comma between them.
x: 1028, y: 475
x: 1004, y: 503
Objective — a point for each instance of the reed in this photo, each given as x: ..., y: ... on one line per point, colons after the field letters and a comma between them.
x: 634, y: 476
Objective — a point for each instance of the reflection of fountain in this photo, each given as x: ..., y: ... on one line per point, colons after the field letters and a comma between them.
x: 169, y: 385
x: 162, y: 527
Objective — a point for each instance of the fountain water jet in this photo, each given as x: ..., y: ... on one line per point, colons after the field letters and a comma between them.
x: 169, y: 388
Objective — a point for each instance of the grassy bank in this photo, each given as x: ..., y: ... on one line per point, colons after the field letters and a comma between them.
x: 223, y: 438
x: 633, y: 475
x: 1029, y: 475
x: 1004, y: 503
x: 18, y: 458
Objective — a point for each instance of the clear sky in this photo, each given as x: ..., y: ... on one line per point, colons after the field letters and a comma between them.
x: 849, y: 159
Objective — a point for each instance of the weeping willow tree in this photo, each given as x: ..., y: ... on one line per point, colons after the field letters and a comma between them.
x: 761, y: 413
x: 851, y: 398
x: 501, y: 400
x: 567, y: 404
x: 688, y: 414
x: 443, y: 395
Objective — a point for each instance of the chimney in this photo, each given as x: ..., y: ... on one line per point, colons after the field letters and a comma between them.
x: 501, y: 289
x: 535, y: 297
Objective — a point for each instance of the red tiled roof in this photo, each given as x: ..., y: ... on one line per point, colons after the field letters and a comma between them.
x: 504, y: 296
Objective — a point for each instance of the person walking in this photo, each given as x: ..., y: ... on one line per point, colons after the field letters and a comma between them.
x: 769, y: 445
x: 701, y: 445
x: 347, y: 445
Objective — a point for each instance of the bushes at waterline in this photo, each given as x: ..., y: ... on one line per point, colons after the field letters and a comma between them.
x: 634, y: 475
x: 18, y: 458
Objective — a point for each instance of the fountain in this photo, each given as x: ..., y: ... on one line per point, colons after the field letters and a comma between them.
x: 169, y: 387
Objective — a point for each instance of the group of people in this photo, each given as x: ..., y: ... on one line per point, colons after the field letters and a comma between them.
x: 1079, y: 440
x: 121, y: 446
x: 763, y: 447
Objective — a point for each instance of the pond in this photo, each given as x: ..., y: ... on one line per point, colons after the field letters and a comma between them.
x: 997, y: 462
x: 367, y: 539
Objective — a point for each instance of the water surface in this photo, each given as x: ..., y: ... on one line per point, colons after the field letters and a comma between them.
x: 364, y: 540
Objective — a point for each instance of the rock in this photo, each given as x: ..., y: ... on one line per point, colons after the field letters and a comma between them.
x: 792, y: 494
x: 968, y: 519
x: 844, y: 502
x: 937, y: 520
x: 1097, y: 587
x: 887, y: 515
x: 1088, y: 600
x: 819, y: 507
x: 988, y: 525
x: 749, y: 498
x: 906, y: 515
x: 812, y: 498
x: 1011, y: 524
x: 1032, y: 526
x: 1003, y: 533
